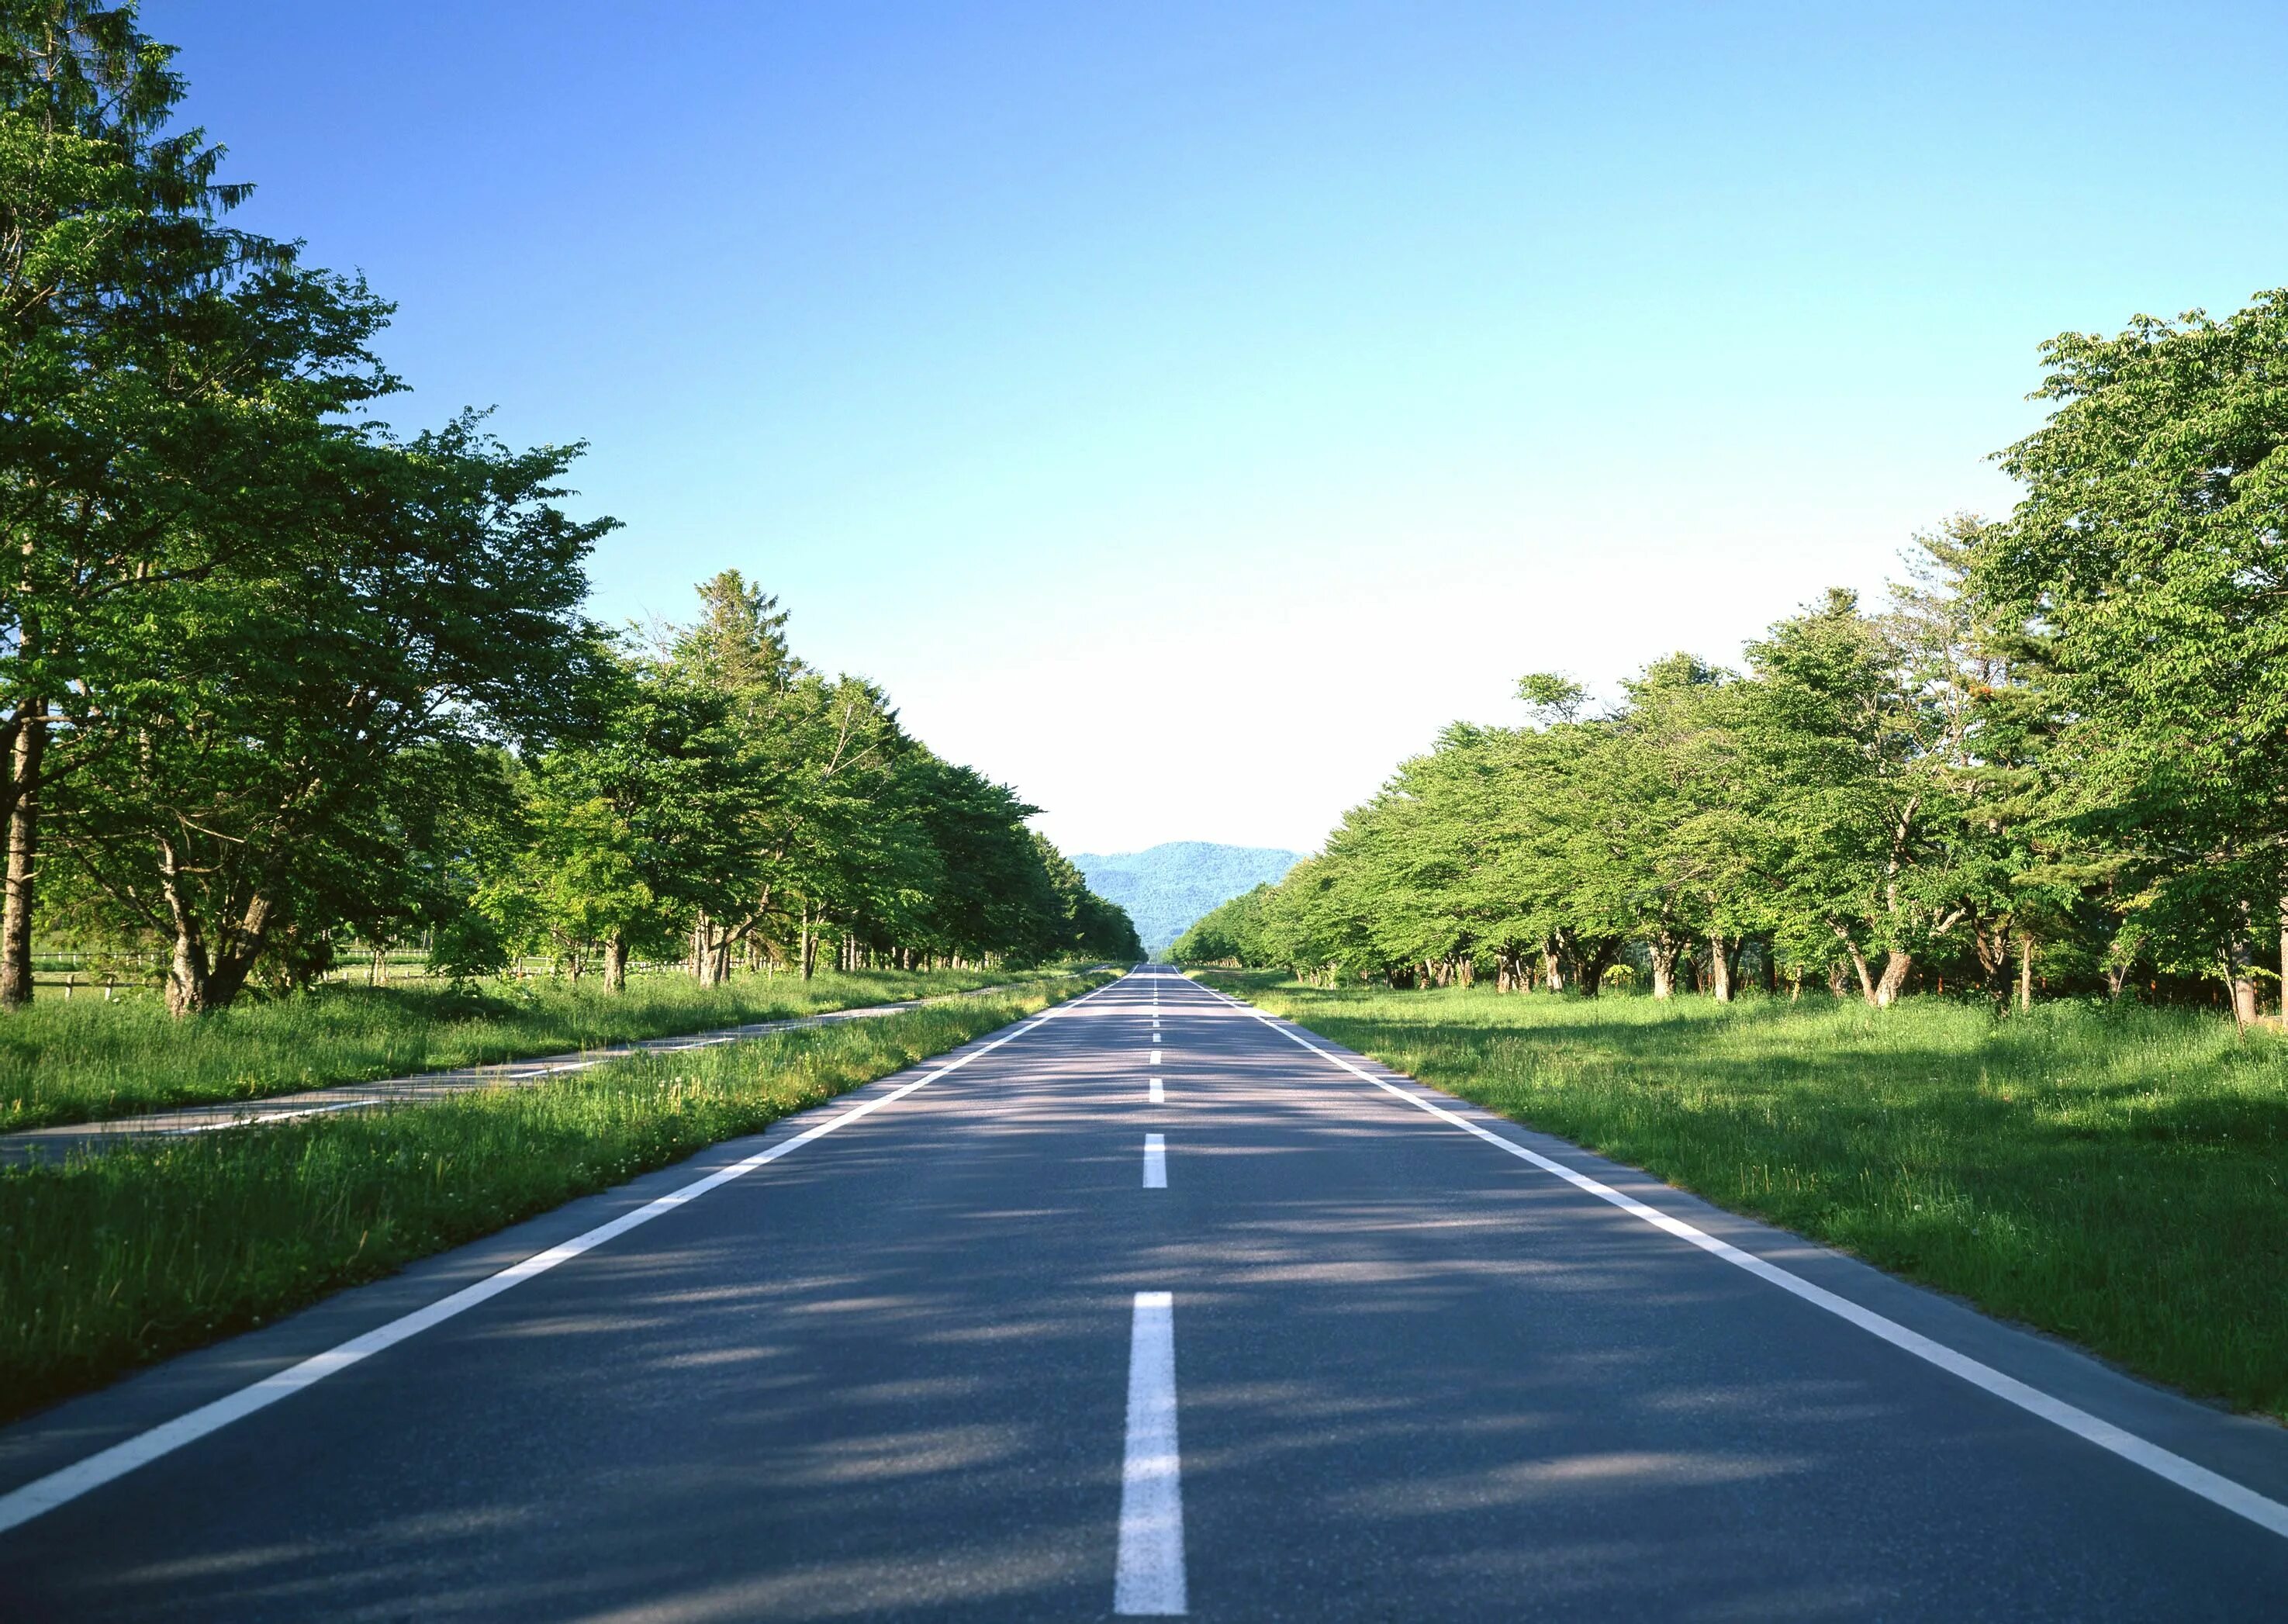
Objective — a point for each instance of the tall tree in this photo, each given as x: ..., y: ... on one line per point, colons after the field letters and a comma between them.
x: 157, y: 376
x: 2148, y: 552
x: 302, y: 723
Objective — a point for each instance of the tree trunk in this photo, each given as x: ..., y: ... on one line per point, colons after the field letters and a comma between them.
x: 2025, y: 971
x: 615, y: 962
x: 2243, y: 978
x: 1719, y: 968
x: 201, y: 979
x: 1591, y: 964
x: 1664, y: 948
x: 1769, y: 955
x: 1552, y: 967
x: 187, y: 974
x: 2283, y: 962
x: 23, y: 836
x: 1896, y: 966
x: 1867, y: 989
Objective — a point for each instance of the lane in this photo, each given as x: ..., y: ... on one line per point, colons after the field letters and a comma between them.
x: 1422, y: 1379
x: 939, y: 1364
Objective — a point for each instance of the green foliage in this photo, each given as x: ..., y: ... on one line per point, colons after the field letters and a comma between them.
x: 114, y: 1261
x: 2147, y: 554
x: 2055, y: 756
x: 1236, y: 934
x: 273, y: 675
x: 2108, y: 1174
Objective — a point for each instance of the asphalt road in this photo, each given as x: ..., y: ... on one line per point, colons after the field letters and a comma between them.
x: 960, y: 1358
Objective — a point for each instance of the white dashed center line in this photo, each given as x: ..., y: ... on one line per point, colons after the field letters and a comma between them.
x: 1149, y: 1577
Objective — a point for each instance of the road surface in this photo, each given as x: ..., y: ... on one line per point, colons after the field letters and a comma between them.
x: 1149, y: 1304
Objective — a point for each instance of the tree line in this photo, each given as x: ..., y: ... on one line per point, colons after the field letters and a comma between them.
x: 273, y: 675
x: 2056, y: 756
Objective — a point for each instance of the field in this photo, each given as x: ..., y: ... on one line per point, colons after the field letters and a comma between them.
x: 2118, y: 1177
x: 111, y: 1262
x: 86, y: 1059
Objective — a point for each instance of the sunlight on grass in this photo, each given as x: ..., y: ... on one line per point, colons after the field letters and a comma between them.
x: 109, y: 1261
x: 2112, y: 1175
x: 83, y: 1060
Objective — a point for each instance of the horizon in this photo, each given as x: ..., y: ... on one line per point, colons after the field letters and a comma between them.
x: 1338, y: 369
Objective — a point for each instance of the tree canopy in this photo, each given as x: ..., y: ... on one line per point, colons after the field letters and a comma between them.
x: 2056, y: 751
x: 274, y: 674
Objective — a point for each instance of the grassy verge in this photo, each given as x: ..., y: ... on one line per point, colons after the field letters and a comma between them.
x: 2118, y: 1177
x: 85, y: 1060
x: 111, y: 1262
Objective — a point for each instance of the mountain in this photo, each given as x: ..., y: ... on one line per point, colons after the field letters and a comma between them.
x: 1166, y: 888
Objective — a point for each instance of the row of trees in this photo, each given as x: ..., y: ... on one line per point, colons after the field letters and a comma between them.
x: 2060, y: 751
x: 726, y: 804
x: 272, y: 674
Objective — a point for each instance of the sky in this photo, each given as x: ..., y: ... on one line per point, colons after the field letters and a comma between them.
x: 1185, y: 411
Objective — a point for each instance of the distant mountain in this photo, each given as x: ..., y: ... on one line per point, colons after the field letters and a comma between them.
x: 1168, y: 887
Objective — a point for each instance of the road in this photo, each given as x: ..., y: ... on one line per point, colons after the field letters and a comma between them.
x: 1224, y: 1319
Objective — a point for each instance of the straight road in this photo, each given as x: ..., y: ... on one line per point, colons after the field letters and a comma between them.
x: 1144, y: 1307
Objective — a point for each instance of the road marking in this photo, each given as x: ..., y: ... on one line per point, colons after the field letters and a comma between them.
x: 1148, y: 1578
x: 1156, y: 1057
x: 68, y: 1483
x: 1156, y: 1162
x: 2215, y: 1487
x: 1158, y: 1098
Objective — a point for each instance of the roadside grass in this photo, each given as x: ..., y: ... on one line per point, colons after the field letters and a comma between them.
x: 85, y: 1060
x: 2116, y: 1177
x: 114, y: 1261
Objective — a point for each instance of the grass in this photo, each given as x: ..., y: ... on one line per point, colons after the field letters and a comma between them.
x: 84, y: 1059
x: 2116, y: 1177
x: 110, y: 1262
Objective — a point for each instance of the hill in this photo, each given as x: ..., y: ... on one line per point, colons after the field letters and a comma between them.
x: 1166, y: 888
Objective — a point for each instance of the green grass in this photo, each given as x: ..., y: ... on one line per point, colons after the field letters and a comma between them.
x: 111, y: 1262
x: 2116, y: 1177
x: 84, y: 1059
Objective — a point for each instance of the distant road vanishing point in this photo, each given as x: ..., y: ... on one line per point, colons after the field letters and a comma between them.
x: 1145, y: 1306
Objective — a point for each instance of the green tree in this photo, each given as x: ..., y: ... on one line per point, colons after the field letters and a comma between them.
x: 2146, y: 555
x: 303, y: 726
x: 160, y: 379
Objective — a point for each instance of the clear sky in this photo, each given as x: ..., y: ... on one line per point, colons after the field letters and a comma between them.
x: 1185, y: 409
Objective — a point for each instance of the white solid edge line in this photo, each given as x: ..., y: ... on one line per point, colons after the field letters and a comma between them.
x: 68, y: 1483
x: 1149, y: 1573
x: 1156, y: 1162
x: 2215, y: 1487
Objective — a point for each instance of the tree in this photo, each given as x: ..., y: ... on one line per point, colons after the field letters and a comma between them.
x: 159, y: 376
x: 2147, y: 553
x: 300, y: 726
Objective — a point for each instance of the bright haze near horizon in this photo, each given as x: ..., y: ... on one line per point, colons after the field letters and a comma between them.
x: 1185, y: 410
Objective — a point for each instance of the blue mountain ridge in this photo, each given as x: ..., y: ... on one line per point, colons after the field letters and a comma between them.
x: 1168, y: 886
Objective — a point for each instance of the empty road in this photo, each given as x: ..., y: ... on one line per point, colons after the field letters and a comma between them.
x: 1147, y: 1305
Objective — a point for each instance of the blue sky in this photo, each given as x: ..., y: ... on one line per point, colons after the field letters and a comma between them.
x: 1185, y: 409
